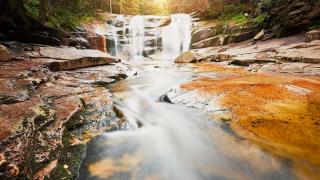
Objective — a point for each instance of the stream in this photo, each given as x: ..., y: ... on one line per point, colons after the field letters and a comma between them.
x: 160, y: 140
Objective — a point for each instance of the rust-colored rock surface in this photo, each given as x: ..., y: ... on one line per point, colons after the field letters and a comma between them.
x: 281, y: 112
x: 41, y: 111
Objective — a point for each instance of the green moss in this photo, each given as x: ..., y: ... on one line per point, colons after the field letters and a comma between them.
x: 241, y: 19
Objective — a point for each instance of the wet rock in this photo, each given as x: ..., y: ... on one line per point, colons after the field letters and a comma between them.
x: 4, y: 54
x: 291, y: 49
x: 188, y: 57
x: 165, y: 22
x: 203, y: 33
x: 12, y: 170
x: 273, y: 117
x: 2, y: 159
x: 79, y: 42
x: 165, y: 98
x: 149, y: 50
x: 45, y: 172
x: 213, y: 41
x: 291, y: 17
x: 10, y: 94
x: 240, y: 37
x: 98, y: 42
x: 39, y: 110
x: 247, y: 62
x: 313, y: 35
x: 59, y: 59
x: 259, y: 36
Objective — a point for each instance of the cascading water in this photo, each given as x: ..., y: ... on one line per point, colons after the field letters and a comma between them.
x: 172, y: 39
x: 166, y: 141
x: 115, y: 40
x: 176, y: 37
x: 136, y: 29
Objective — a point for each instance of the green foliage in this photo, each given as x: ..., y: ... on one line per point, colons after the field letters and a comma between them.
x: 241, y: 19
x: 232, y: 9
x: 32, y: 7
x: 261, y: 18
x: 265, y: 4
x: 316, y: 26
x: 63, y: 14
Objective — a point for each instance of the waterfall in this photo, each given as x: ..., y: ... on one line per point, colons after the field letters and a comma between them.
x: 176, y: 37
x: 145, y: 35
x: 116, y: 41
x: 136, y: 29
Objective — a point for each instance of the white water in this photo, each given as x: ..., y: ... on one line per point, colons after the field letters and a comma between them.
x: 174, y: 142
x: 116, y: 41
x: 176, y: 37
x: 136, y: 29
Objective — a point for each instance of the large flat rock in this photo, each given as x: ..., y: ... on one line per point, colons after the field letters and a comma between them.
x: 59, y: 59
x: 47, y: 117
x: 280, y: 112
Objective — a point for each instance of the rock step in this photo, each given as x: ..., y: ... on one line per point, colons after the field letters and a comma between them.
x: 225, y: 39
x: 313, y: 35
x: 60, y: 59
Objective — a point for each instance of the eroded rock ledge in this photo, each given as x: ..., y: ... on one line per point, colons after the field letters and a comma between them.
x: 47, y: 115
x: 291, y: 54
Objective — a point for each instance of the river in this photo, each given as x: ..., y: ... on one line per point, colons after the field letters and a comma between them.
x: 161, y: 140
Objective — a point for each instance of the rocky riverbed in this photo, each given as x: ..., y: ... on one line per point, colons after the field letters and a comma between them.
x: 267, y: 92
x: 47, y: 115
x: 54, y: 100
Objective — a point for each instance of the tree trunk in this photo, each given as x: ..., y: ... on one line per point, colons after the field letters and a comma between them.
x: 43, y: 10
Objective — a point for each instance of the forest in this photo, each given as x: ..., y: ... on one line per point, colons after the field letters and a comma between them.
x: 69, y: 13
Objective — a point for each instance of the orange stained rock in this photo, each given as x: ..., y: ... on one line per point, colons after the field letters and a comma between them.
x: 107, y: 168
x: 280, y: 112
x: 204, y: 67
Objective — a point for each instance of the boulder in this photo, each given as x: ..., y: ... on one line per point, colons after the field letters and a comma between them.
x: 188, y: 57
x: 313, y: 35
x: 4, y: 54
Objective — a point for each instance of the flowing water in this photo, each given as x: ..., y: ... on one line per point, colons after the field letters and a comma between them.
x: 136, y: 28
x: 176, y: 37
x: 165, y: 141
